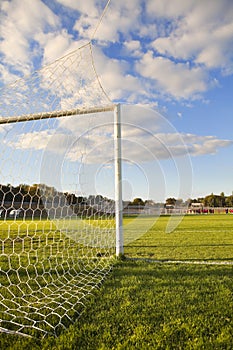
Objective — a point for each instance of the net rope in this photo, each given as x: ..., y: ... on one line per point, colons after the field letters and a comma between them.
x: 100, y: 20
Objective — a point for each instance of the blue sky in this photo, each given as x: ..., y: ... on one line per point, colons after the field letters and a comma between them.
x: 169, y: 61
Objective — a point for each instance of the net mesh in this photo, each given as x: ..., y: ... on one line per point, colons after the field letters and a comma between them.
x: 69, y: 82
x: 57, y: 229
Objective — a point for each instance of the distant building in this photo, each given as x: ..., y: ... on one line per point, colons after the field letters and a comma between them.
x: 197, y: 205
x: 196, y: 208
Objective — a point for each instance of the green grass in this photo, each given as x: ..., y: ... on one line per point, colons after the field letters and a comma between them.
x: 151, y: 305
x: 198, y: 237
x: 46, y: 274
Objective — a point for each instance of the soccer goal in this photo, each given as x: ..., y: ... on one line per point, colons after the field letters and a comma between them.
x: 60, y: 194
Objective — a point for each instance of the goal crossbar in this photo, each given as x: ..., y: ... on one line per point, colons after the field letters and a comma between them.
x: 117, y: 138
x: 56, y: 114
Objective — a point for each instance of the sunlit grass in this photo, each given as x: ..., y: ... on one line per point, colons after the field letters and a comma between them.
x: 47, y: 271
x: 203, y: 237
x: 146, y: 304
x: 150, y: 306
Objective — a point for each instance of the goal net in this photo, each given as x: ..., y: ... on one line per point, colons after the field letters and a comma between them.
x: 57, y: 207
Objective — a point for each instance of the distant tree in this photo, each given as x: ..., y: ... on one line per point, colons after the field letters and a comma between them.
x: 34, y: 190
x: 138, y: 201
x: 71, y: 198
x: 229, y: 201
x: 179, y: 202
x: 81, y: 199
x: 195, y: 200
x: 210, y: 200
x: 188, y: 202
x: 222, y: 200
x: 91, y: 199
x: 170, y: 201
x: 99, y: 199
x: 149, y: 202
x: 200, y: 199
x: 214, y: 200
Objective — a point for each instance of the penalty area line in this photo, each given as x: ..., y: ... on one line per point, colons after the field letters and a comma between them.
x: 197, y: 262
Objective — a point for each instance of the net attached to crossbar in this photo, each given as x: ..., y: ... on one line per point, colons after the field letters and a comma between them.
x: 57, y: 229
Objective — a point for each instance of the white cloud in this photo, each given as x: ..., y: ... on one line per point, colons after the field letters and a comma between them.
x: 199, y: 145
x: 115, y: 79
x: 146, y: 136
x: 202, y: 31
x: 30, y: 140
x: 145, y: 52
x: 20, y: 22
x: 167, y: 8
x: 120, y: 18
x: 137, y: 145
x: 133, y: 47
x: 195, y: 32
x: 218, y: 52
x: 87, y: 7
x: 177, y: 79
x: 56, y: 44
x: 6, y: 75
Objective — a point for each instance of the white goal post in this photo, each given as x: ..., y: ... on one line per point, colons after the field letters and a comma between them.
x: 20, y: 251
x: 117, y: 154
x: 118, y: 182
x: 60, y: 194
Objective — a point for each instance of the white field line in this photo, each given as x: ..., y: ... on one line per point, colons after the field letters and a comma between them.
x: 197, y: 262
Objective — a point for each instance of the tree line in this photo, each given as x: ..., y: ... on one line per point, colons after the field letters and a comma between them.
x: 34, y: 194
x: 211, y: 200
x: 20, y: 194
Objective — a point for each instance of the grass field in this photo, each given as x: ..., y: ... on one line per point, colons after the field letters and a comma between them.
x: 198, y: 237
x: 48, y: 268
x: 146, y: 304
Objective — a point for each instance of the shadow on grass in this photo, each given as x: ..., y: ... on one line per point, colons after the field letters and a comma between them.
x: 152, y: 306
